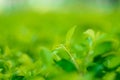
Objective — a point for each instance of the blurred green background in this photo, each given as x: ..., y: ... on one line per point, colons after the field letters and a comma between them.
x: 41, y: 22
x: 27, y: 25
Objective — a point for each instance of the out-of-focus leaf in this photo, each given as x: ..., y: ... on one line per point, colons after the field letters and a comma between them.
x: 118, y: 69
x: 103, y: 47
x: 109, y: 76
x: 97, y: 69
x: 61, y: 53
x: 69, y: 36
x: 113, y: 62
x: 16, y: 77
x: 90, y: 33
x: 45, y: 56
x: 103, y: 59
x: 66, y: 65
x: 25, y: 59
x: 3, y: 67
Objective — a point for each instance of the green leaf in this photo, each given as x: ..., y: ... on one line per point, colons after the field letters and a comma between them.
x: 69, y: 36
x: 16, y: 77
x: 103, y: 47
x: 61, y: 53
x: 90, y: 33
x: 113, y: 62
x: 45, y: 56
x: 109, y: 76
x: 66, y: 65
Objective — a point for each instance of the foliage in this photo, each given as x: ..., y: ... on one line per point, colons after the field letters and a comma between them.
x: 85, y: 53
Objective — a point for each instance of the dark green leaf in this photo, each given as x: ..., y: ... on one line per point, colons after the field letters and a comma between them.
x: 66, y: 65
x: 117, y: 76
x: 15, y: 77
